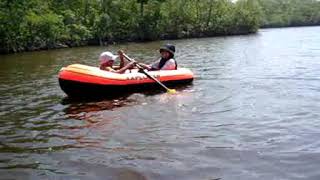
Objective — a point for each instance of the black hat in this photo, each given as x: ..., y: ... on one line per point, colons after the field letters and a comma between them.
x: 168, y: 47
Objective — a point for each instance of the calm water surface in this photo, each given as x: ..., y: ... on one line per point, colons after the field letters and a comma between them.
x: 252, y: 112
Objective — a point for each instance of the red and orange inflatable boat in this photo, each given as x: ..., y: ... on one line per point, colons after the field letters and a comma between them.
x: 79, y: 80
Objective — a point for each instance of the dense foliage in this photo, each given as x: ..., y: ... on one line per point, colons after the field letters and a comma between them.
x: 282, y: 13
x: 37, y: 24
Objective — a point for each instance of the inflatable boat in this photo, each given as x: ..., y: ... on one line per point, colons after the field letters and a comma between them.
x: 79, y: 80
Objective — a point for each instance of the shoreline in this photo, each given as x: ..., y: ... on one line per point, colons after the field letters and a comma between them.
x: 96, y: 42
x: 291, y: 26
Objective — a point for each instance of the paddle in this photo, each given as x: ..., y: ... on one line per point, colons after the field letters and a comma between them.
x: 170, y: 91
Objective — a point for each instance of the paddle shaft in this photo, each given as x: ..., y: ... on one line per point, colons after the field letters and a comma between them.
x: 147, y: 74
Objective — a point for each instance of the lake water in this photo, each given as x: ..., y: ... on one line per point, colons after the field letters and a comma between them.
x: 252, y: 112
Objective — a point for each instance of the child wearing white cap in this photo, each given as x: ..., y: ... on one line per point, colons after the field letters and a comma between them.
x: 107, y: 59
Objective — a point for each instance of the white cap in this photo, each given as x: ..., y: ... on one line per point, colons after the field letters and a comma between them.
x: 107, y: 56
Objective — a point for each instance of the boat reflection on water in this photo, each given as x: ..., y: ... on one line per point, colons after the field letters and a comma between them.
x: 78, y: 107
x: 85, y: 109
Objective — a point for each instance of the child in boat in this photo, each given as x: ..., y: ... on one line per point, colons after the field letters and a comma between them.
x: 107, y: 59
x: 166, y: 62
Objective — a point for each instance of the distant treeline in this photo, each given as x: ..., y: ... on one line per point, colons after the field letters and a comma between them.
x: 27, y: 25
x: 286, y: 13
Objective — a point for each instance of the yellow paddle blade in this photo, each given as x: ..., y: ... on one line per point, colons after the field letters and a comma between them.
x: 171, y: 91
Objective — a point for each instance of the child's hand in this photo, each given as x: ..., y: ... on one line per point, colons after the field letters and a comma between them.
x: 132, y: 64
x: 120, y: 52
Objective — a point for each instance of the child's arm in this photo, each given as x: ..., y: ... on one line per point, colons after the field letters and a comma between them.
x: 128, y: 66
x: 145, y: 66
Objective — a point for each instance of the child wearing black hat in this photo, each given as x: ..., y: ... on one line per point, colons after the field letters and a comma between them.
x: 166, y: 62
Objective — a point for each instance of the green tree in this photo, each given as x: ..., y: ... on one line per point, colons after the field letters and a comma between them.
x: 38, y: 24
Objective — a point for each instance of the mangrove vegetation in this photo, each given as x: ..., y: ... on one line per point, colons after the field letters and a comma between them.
x: 27, y: 25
